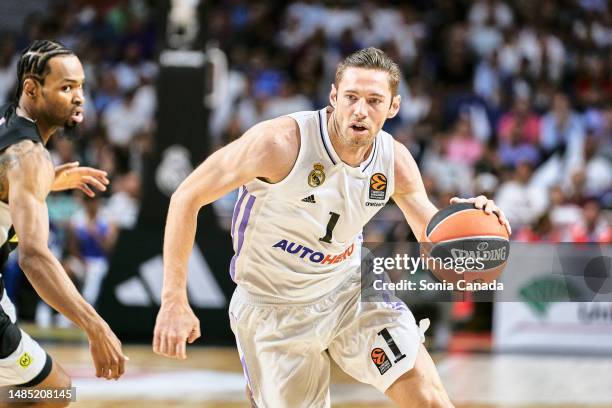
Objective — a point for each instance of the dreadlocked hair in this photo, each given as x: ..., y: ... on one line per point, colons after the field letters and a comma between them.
x: 34, y: 62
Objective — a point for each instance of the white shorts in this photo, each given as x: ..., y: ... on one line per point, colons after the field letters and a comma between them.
x: 285, y: 348
x: 23, y: 362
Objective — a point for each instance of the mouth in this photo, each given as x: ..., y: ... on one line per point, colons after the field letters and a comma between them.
x: 77, y: 115
x: 358, y: 128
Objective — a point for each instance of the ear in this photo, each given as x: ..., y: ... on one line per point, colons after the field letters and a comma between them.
x: 395, y: 105
x: 333, y: 95
x: 30, y: 88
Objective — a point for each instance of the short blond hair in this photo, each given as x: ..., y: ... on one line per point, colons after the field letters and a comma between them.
x: 371, y: 58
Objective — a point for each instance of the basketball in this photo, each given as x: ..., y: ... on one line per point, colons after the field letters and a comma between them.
x: 465, y: 243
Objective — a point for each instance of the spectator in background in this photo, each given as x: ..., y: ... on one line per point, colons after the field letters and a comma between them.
x: 520, y: 122
x: 514, y: 149
x: 8, y: 68
x: 593, y: 226
x: 561, y: 127
x: 522, y: 203
x: 91, y: 239
x: 447, y: 176
x: 563, y: 213
x: 597, y: 166
x: 120, y: 131
x: 463, y: 147
x: 541, y: 230
x: 123, y: 205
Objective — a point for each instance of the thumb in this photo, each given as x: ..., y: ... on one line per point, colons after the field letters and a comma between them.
x: 194, y: 335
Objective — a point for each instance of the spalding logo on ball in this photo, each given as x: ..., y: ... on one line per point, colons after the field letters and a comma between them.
x: 466, y: 244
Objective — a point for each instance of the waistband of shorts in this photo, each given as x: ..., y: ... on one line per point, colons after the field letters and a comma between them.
x: 262, y: 300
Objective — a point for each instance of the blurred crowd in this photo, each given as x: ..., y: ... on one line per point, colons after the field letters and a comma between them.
x: 512, y: 99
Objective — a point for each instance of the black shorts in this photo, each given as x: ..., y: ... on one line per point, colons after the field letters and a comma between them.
x: 23, y: 362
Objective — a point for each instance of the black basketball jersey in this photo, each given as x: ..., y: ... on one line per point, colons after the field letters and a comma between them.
x: 13, y: 129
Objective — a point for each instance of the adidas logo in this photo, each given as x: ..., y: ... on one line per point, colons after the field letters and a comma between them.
x: 309, y: 199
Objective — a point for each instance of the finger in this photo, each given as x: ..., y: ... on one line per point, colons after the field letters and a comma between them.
x: 480, y: 202
x: 94, y: 182
x: 99, y: 368
x: 114, y: 370
x: 121, y: 370
x: 84, y: 188
x: 490, y: 207
x: 457, y: 200
x: 165, y: 344
x: 180, y: 350
x: 156, y: 342
x: 90, y: 171
x: 194, y: 335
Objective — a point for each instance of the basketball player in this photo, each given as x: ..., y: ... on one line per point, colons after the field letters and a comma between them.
x: 49, y: 97
x: 309, y: 182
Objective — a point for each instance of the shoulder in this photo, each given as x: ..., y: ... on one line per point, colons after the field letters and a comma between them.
x: 406, y: 172
x: 26, y: 156
x: 26, y: 163
x: 277, y: 134
x: 269, y: 149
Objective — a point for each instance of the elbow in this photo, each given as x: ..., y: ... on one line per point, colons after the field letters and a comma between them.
x: 31, y: 257
x: 183, y: 201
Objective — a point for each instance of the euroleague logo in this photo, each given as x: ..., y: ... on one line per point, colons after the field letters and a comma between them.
x: 378, y: 186
x: 380, y: 360
x: 378, y: 356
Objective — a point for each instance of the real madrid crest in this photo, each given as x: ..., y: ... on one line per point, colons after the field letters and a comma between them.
x: 316, y: 176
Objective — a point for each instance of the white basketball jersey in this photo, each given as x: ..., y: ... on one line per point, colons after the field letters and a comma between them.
x: 297, y: 240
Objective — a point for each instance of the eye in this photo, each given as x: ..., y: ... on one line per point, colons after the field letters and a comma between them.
x: 351, y: 97
x: 66, y: 88
x: 374, y: 101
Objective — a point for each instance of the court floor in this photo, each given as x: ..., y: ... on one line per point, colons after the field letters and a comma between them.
x: 212, y: 377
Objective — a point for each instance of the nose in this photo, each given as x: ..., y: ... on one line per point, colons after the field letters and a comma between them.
x: 78, y: 97
x: 361, y: 108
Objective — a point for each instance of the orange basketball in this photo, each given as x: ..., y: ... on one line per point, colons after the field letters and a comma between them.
x: 469, y: 244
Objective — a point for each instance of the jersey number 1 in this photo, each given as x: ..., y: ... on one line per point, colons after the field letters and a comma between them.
x: 330, y: 227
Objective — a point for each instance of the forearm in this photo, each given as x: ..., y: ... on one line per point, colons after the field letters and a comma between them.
x: 53, y: 285
x: 417, y: 210
x: 179, y: 237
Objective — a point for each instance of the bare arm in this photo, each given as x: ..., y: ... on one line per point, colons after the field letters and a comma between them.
x: 410, y: 194
x: 267, y: 151
x: 30, y: 177
x: 29, y: 172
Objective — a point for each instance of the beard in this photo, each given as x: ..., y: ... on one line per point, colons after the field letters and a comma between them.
x: 70, y: 131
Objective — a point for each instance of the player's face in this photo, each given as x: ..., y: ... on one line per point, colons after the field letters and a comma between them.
x: 62, y: 93
x: 362, y: 103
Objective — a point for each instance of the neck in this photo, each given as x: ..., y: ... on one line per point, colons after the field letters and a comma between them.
x: 45, y: 129
x: 351, y: 155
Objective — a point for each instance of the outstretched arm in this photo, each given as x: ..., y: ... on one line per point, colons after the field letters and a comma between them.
x: 268, y: 151
x: 30, y: 174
